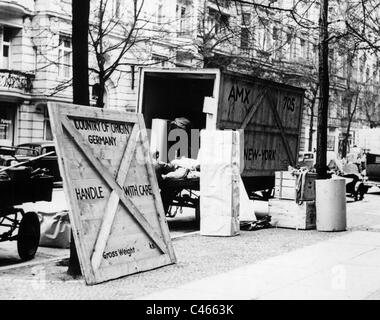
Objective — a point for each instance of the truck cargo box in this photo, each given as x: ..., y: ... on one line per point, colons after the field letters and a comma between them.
x: 269, y: 112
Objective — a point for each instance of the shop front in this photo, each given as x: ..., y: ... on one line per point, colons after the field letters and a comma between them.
x: 7, y: 123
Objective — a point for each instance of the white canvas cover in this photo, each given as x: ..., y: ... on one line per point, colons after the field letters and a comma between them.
x: 159, y: 139
x: 220, y: 183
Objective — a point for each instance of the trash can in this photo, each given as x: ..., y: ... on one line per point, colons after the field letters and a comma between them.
x: 331, y: 204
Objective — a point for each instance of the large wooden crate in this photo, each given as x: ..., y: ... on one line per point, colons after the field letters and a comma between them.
x: 116, y: 211
x: 286, y: 186
x: 289, y: 214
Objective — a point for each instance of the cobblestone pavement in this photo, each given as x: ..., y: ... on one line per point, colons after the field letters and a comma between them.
x: 198, y: 257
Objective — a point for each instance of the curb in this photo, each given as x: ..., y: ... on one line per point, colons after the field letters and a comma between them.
x: 33, y: 263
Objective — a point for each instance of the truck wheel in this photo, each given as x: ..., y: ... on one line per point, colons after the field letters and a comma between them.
x: 197, y: 216
x: 362, y: 192
x: 28, y: 237
x: 268, y: 194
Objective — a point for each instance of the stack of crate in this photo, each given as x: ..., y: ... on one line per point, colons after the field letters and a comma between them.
x: 285, y: 209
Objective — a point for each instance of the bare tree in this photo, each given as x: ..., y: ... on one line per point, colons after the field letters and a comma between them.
x: 371, y: 107
x: 116, y: 31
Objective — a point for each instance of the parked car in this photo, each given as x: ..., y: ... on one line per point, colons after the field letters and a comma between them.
x: 26, y: 151
x: 306, y: 159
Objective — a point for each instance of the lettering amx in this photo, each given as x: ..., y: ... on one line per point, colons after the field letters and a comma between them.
x: 238, y: 93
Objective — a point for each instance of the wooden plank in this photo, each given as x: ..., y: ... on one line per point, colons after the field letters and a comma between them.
x: 116, y: 211
x: 289, y: 214
x: 57, y: 129
x: 253, y: 109
x: 282, y: 192
x: 285, y: 142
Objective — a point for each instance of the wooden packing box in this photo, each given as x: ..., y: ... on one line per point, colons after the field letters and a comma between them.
x: 289, y: 214
x: 286, y: 186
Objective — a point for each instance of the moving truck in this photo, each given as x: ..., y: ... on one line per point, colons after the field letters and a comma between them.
x: 268, y: 112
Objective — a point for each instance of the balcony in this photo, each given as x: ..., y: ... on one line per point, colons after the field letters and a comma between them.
x: 222, y: 7
x: 247, y: 52
x: 334, y: 122
x: 15, y: 85
x: 16, y: 8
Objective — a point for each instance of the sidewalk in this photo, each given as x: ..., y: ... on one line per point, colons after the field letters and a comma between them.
x: 346, y: 267
x: 265, y: 264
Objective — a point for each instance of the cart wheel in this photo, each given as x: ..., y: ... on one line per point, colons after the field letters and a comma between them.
x: 28, y: 237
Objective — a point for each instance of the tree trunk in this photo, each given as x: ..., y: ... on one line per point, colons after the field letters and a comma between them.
x: 80, y: 24
x: 101, y: 92
x: 324, y: 83
x: 351, y: 115
x: 311, y: 126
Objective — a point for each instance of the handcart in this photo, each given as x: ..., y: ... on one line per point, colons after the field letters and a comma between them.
x: 20, y: 184
x: 179, y: 193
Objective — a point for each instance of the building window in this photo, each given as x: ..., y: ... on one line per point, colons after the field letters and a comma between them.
x: 344, y: 66
x: 244, y: 38
x: 264, y: 37
x: 48, y: 135
x: 276, y: 34
x: 303, y: 49
x: 246, y: 19
x: 182, y: 22
x: 217, y: 21
x: 6, y: 124
x: 116, y: 8
x: 159, y: 60
x: 159, y: 13
x: 64, y: 57
x: 35, y: 58
x: 292, y: 41
x: 7, y: 35
x: 222, y: 3
x: 375, y: 78
x: 183, y: 18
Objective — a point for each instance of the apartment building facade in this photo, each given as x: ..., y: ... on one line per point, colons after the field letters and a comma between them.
x: 35, y: 57
x: 36, y: 62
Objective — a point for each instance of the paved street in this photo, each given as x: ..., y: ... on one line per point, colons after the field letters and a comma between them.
x: 328, y: 265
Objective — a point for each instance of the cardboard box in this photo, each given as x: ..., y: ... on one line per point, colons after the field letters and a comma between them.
x: 289, y: 214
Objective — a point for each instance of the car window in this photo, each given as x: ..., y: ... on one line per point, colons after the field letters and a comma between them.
x: 48, y: 149
x: 28, y: 151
